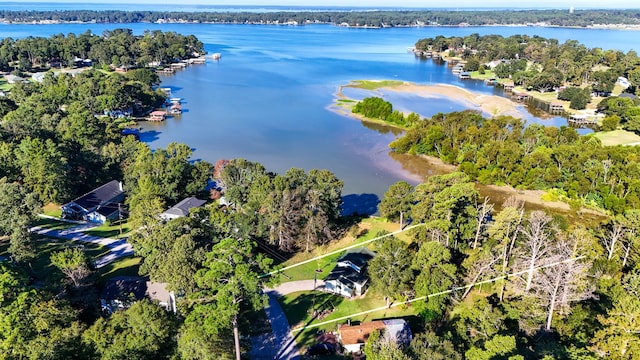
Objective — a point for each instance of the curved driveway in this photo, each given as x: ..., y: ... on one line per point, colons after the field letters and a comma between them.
x: 280, y: 344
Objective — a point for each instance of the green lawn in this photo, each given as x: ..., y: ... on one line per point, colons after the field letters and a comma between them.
x: 369, y: 228
x: 617, y: 137
x: 298, y: 309
x: 114, y: 230
x: 42, y: 267
x: 488, y: 74
x: 53, y: 224
x: 4, y: 85
x: 125, y: 266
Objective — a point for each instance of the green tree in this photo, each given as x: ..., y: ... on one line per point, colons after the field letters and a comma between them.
x: 230, y: 279
x: 619, y: 337
x: 74, y: 263
x: 173, y: 252
x: 144, y: 331
x: 396, y: 202
x: 435, y: 274
x: 381, y: 347
x: 19, y: 208
x: 390, y: 270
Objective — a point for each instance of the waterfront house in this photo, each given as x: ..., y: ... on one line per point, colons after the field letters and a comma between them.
x: 348, y: 278
x: 98, y: 205
x: 556, y: 107
x: 157, y: 115
x: 353, y: 338
x: 508, y: 85
x: 182, y: 208
x: 121, y: 292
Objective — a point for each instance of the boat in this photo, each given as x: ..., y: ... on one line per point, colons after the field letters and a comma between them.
x: 216, y: 56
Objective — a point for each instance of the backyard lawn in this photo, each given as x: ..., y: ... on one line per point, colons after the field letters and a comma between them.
x: 42, y: 267
x: 367, y: 230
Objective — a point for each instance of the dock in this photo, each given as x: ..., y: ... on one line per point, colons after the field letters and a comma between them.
x: 508, y: 86
x: 581, y: 119
x: 520, y: 96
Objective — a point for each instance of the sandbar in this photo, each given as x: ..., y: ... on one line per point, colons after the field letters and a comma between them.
x: 491, y: 105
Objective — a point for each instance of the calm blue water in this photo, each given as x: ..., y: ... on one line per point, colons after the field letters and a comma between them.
x: 266, y: 100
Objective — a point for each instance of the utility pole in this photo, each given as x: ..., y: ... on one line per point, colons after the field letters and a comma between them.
x: 120, y: 217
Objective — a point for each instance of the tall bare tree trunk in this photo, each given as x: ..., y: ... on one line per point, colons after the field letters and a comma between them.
x: 236, y: 336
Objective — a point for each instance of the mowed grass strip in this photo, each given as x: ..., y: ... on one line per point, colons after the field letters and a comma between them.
x: 617, y: 137
x: 367, y: 229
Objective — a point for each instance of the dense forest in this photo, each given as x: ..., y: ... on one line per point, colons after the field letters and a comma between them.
x: 580, y: 18
x: 119, y: 48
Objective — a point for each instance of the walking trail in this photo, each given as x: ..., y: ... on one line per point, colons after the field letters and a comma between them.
x: 117, y: 247
x: 280, y: 344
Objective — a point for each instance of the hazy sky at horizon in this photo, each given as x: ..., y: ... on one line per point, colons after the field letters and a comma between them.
x: 552, y: 4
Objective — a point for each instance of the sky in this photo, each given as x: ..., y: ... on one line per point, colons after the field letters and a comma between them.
x: 450, y: 4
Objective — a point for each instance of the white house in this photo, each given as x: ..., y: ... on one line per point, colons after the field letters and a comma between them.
x: 98, y: 205
x: 182, y: 208
x: 348, y: 278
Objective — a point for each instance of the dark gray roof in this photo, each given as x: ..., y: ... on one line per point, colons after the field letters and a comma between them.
x: 124, y: 288
x: 359, y: 259
x: 100, y: 195
x: 182, y: 208
x: 346, y: 275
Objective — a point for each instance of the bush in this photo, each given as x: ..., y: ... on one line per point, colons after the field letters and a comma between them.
x: 610, y: 123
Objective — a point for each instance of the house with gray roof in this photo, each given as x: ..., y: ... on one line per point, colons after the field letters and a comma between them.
x: 121, y: 292
x: 98, y: 205
x: 182, y: 208
x: 349, y: 278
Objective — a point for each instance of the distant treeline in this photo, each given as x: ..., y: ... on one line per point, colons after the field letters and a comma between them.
x: 579, y: 18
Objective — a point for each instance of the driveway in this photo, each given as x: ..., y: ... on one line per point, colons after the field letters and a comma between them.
x: 117, y: 247
x: 280, y: 343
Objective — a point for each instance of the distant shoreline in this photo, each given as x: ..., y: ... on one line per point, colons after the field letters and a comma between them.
x: 625, y: 27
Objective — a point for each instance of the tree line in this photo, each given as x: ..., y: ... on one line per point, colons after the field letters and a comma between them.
x: 395, y: 18
x: 538, y: 286
x: 119, y: 47
x: 539, y: 63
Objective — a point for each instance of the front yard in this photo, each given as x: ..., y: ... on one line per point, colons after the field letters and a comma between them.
x: 298, y: 308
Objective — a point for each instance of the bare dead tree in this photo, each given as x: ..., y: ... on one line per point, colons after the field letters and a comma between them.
x: 564, y: 281
x: 611, y: 237
x: 535, y: 246
x: 483, y: 210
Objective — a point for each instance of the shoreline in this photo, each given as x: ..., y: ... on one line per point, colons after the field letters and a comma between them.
x: 497, y: 193
x: 624, y: 27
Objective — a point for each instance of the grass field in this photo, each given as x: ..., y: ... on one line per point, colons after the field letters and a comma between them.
x: 125, y: 266
x: 367, y: 229
x: 110, y: 231
x: 52, y: 209
x: 488, y: 74
x: 617, y: 137
x: 42, y: 267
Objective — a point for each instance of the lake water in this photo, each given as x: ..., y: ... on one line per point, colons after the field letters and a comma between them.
x: 267, y: 98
